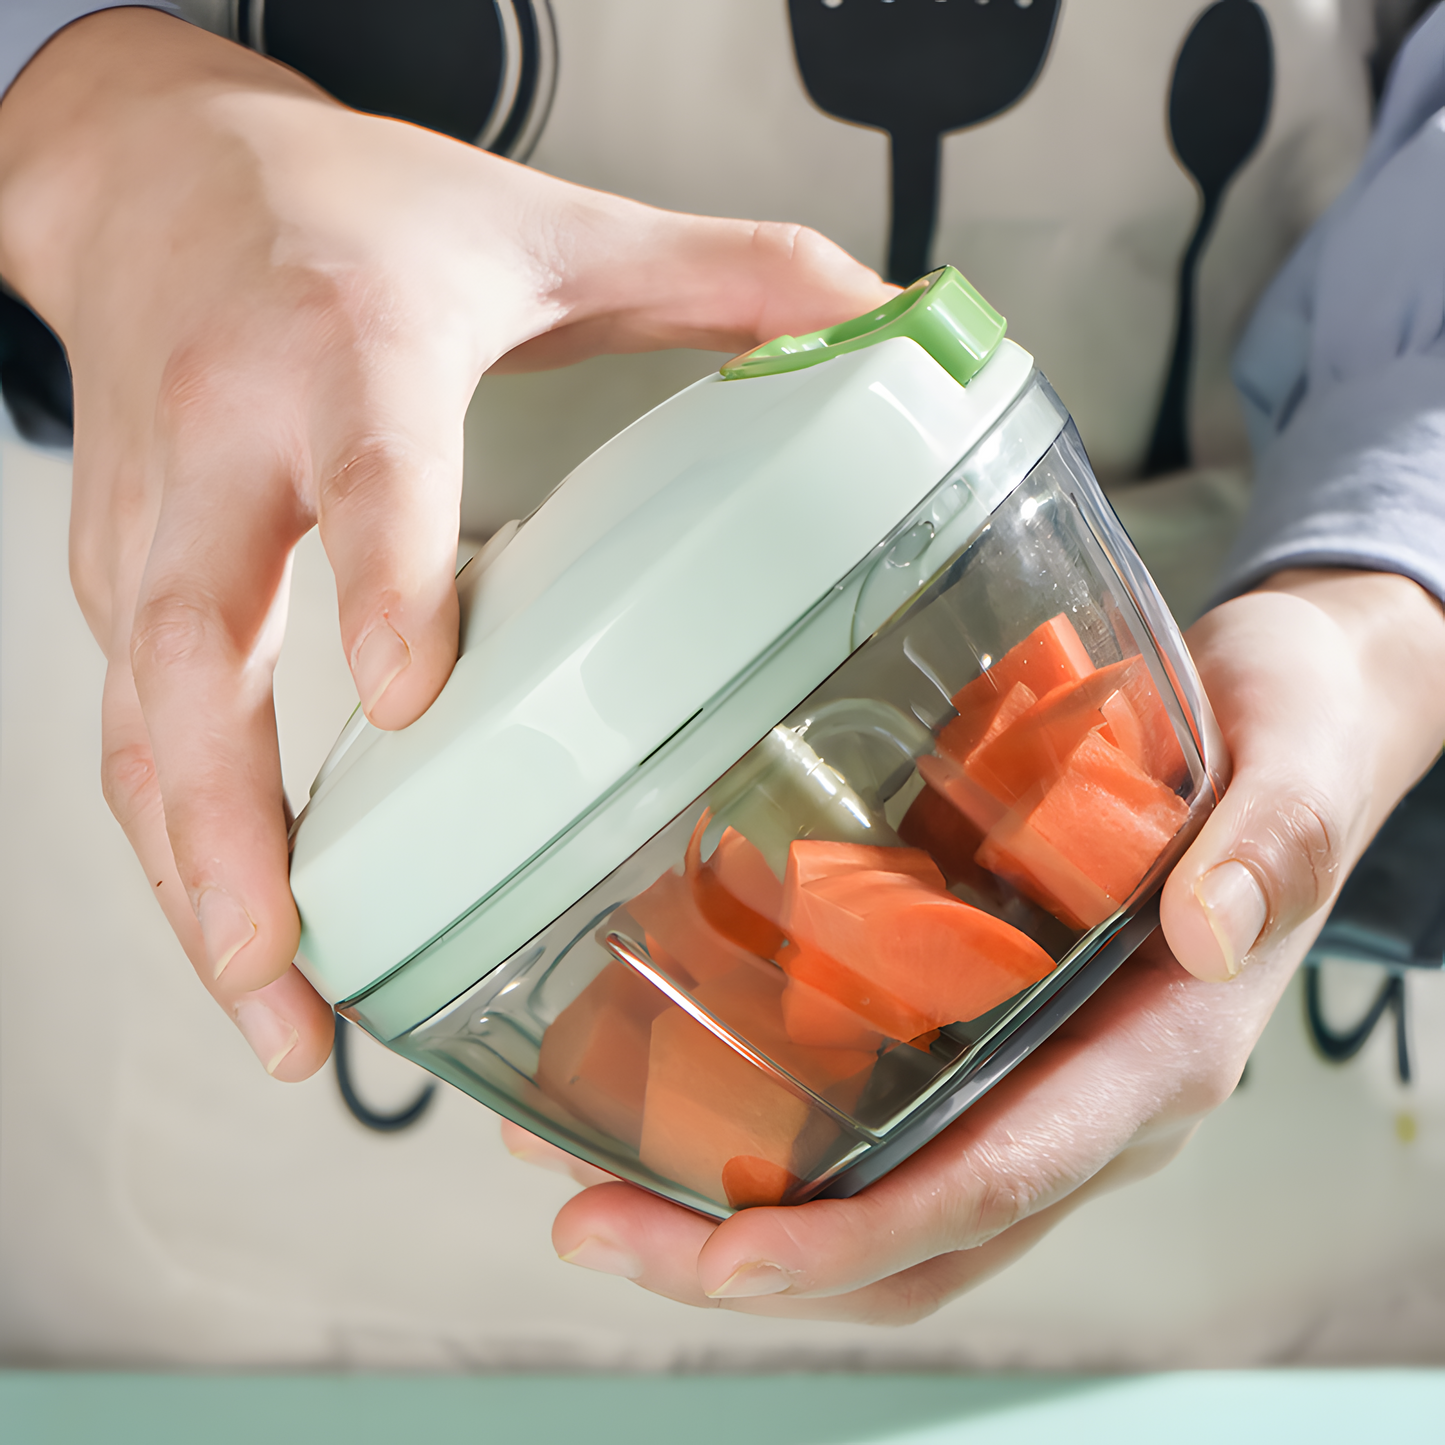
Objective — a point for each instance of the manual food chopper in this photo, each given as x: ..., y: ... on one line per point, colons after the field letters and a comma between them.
x: 814, y: 750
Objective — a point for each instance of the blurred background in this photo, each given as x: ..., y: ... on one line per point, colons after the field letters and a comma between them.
x: 163, y: 1202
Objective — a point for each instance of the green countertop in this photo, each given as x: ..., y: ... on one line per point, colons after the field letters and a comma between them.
x: 1238, y: 1407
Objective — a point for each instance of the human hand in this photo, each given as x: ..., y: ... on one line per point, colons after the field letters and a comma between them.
x: 1330, y: 691
x: 276, y: 311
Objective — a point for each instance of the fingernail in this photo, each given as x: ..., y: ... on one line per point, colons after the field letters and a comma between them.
x: 270, y: 1036
x: 1235, y: 907
x: 605, y: 1257
x: 226, y: 927
x: 749, y: 1280
x: 381, y: 656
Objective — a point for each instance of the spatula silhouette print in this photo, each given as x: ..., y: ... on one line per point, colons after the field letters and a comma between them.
x: 919, y: 69
x: 1219, y: 104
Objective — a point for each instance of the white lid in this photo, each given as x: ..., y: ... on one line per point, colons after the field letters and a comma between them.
x: 653, y: 576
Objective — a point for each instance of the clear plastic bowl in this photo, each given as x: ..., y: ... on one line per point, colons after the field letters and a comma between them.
x: 889, y: 900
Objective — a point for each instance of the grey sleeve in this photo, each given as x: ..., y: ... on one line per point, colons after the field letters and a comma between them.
x: 1342, y: 368
x: 25, y: 25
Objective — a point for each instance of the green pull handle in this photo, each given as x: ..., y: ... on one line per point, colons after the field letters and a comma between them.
x: 940, y: 311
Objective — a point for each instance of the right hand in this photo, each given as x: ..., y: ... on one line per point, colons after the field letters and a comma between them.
x: 1329, y: 686
x: 276, y: 310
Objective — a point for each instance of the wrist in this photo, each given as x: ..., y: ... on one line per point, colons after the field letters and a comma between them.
x: 1392, y: 635
x: 91, y: 124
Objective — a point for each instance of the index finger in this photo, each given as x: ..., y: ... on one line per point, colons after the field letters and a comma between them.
x: 207, y: 628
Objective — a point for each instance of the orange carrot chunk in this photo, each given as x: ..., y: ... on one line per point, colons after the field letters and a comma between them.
x: 1088, y: 842
x: 995, y: 713
x: 750, y: 1002
x: 962, y: 792
x: 707, y: 1104
x: 722, y: 908
x: 1161, y: 756
x: 1017, y: 853
x: 742, y: 870
x: 1122, y: 726
x: 748, y: 1181
x: 936, y: 954
x: 816, y: 1012
x: 891, y: 949
x: 832, y: 1005
x: 594, y: 1056
x: 1050, y: 656
x: 679, y: 938
x: 813, y: 858
x: 1038, y: 745
x: 947, y: 834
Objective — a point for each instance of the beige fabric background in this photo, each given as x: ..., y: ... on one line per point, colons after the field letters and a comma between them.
x: 163, y: 1202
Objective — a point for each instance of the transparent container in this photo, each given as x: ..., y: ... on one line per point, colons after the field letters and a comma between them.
x: 890, y: 899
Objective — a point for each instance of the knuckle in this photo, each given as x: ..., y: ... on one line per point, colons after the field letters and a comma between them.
x: 1298, y: 855
x: 779, y: 239
x: 798, y: 247
x: 172, y: 631
x: 1202, y: 1093
x: 193, y: 385
x: 110, y: 518
x: 304, y: 319
x: 127, y: 780
x: 357, y: 475
x: 999, y: 1197
x: 915, y: 1296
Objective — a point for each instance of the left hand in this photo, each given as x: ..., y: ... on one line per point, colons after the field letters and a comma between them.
x: 276, y: 310
x: 1330, y: 690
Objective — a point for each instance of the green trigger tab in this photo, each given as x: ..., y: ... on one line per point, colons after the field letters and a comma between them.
x: 940, y: 311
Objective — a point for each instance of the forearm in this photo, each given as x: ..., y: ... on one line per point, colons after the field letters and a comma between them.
x: 1342, y: 368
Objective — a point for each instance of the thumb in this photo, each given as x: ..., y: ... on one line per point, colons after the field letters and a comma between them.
x: 1267, y: 860
x: 1296, y: 813
x: 651, y: 279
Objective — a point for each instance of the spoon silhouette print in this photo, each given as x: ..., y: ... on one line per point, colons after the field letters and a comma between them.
x: 1219, y: 103
x: 918, y: 69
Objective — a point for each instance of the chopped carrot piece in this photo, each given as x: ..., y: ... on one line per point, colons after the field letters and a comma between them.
x: 909, y: 944
x: 812, y: 858
x: 1087, y: 844
x: 819, y: 1018
x: 743, y: 871
x: 679, y: 938
x: 723, y: 909
x: 750, y: 1001
x: 1036, y: 748
x: 1161, y: 755
x: 970, y: 731
x: 830, y: 1004
x: 1122, y: 726
x: 947, y: 834
x: 748, y: 1181
x: 594, y: 1056
x: 1050, y: 656
x: 706, y: 1103
x: 1040, y: 871
x: 963, y: 793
